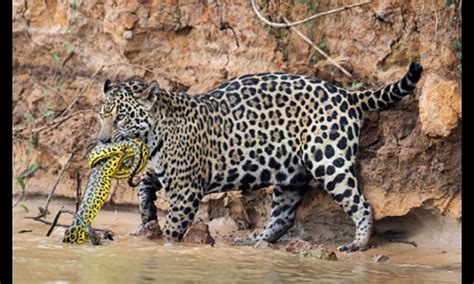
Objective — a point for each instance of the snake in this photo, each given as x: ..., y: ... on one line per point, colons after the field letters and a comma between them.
x: 119, y: 160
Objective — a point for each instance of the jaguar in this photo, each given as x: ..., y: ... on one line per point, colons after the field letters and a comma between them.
x: 253, y: 131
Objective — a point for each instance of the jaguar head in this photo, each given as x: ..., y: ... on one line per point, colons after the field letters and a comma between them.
x: 127, y: 110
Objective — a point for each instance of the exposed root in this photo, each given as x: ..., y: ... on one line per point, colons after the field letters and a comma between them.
x: 291, y: 24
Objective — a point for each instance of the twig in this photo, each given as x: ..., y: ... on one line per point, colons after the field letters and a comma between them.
x: 68, y: 56
x: 19, y: 199
x: 436, y: 19
x: 224, y: 26
x: 319, y: 50
x: 44, y: 211
x: 78, y: 190
x: 404, y: 242
x: 46, y: 222
x: 91, y: 232
x: 288, y: 24
x: 81, y: 91
x: 55, y: 123
x: 91, y: 79
x: 62, y: 225
x: 56, y: 218
x: 60, y: 116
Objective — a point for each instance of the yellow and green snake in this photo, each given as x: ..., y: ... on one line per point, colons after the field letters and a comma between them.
x: 119, y: 160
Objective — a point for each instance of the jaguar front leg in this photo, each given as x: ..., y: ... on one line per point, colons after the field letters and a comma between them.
x: 181, y: 213
x: 149, y: 185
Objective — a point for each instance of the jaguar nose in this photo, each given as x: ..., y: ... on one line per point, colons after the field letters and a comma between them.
x: 105, y: 139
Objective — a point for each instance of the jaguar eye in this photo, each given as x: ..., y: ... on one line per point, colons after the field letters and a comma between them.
x: 120, y: 116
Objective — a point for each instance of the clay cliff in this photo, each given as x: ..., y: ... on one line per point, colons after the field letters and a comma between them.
x: 410, y: 156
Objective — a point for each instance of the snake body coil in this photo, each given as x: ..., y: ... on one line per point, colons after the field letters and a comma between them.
x: 115, y: 160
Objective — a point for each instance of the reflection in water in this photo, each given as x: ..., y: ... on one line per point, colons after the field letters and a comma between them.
x: 129, y: 260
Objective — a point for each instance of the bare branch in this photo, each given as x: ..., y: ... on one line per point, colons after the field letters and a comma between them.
x: 44, y: 211
x: 81, y: 91
x: 78, y: 190
x: 22, y: 196
x: 319, y: 50
x: 436, y: 19
x: 289, y: 24
x: 91, y: 79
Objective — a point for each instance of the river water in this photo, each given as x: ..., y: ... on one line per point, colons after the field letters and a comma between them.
x: 41, y: 259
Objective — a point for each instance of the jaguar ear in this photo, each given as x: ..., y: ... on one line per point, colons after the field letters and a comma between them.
x: 107, y: 85
x: 149, y: 95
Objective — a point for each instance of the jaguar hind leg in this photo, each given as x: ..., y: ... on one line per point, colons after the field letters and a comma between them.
x: 285, y: 201
x: 341, y: 184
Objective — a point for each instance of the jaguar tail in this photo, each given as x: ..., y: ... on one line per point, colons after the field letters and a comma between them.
x: 382, y: 98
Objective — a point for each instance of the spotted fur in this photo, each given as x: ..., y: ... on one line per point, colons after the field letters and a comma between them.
x: 119, y: 160
x: 251, y: 132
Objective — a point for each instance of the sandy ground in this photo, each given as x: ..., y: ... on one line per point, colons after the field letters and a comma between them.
x: 123, y: 220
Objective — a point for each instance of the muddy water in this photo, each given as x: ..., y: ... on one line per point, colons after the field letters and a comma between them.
x: 39, y: 259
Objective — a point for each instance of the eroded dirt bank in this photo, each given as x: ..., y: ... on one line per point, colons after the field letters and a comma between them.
x: 409, y: 160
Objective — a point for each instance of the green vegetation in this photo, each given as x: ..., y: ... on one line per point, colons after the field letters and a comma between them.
x: 74, y: 5
x: 457, y: 45
x: 30, y: 117
x: 323, y: 44
x: 55, y: 57
x: 24, y: 207
x: 355, y: 86
x: 32, y: 168
x: 21, y: 183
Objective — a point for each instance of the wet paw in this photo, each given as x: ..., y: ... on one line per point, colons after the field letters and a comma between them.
x: 350, y: 248
x: 245, y: 241
x: 150, y: 230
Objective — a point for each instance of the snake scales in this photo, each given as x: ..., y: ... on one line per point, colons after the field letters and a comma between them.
x: 118, y: 160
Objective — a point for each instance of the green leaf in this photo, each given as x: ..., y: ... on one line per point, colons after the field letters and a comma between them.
x: 58, y: 86
x: 47, y: 113
x: 28, y: 150
x: 355, y: 86
x: 323, y: 44
x: 55, y: 57
x: 50, y: 107
x: 74, y: 5
x: 30, y: 117
x: 33, y: 168
x: 314, y: 6
x: 457, y: 44
x: 44, y: 91
x: 21, y: 182
x: 459, y: 55
x: 69, y: 30
x: 24, y: 207
x: 460, y: 67
x: 69, y: 46
x: 449, y: 2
